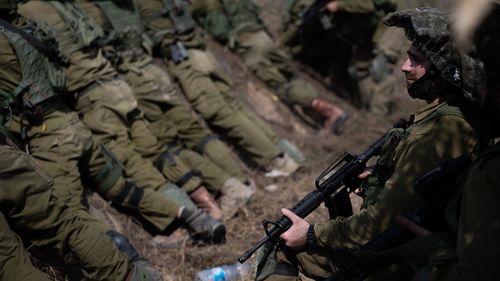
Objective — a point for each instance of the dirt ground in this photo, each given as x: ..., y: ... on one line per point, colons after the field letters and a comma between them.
x: 362, y: 128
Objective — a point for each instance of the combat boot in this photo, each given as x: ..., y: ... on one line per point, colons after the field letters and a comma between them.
x: 333, y: 116
x: 143, y: 271
x: 204, y: 226
x: 205, y: 201
x: 235, y: 195
x: 281, y: 166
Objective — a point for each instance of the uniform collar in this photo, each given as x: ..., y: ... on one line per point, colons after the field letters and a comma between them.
x: 424, y: 112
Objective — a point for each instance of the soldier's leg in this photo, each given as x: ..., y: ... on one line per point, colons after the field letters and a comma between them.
x: 171, y: 119
x: 213, y: 177
x: 264, y: 59
x: 106, y: 110
x: 191, y: 134
x: 207, y: 100
x: 44, y: 220
x: 270, y: 65
x: 14, y: 262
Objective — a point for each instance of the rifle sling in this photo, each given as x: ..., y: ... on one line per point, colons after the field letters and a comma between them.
x: 32, y: 40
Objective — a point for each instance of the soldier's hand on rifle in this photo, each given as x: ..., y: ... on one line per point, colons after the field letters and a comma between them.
x: 359, y: 191
x: 332, y: 7
x: 296, y: 236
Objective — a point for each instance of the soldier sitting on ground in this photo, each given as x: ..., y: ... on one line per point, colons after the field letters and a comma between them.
x: 435, y: 72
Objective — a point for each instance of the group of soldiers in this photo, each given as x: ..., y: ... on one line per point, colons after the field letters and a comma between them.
x: 107, y: 96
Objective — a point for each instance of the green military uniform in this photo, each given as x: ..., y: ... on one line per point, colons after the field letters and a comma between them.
x: 349, y: 37
x: 437, y: 133
x: 40, y: 218
x: 238, y: 24
x: 171, y: 120
x: 205, y: 86
x: 62, y: 144
x: 124, y: 131
x: 478, y: 229
x: 14, y: 261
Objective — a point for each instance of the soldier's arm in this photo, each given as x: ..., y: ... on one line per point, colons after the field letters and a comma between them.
x: 424, y: 149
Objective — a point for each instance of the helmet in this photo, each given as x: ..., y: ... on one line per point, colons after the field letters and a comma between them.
x: 427, y: 29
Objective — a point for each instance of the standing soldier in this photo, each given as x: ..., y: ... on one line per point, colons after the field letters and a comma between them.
x: 435, y: 72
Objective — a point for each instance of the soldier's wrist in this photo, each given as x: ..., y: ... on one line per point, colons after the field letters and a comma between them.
x: 311, y: 237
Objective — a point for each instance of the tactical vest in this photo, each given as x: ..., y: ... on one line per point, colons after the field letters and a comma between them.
x: 40, y: 79
x: 79, y: 31
x: 128, y: 35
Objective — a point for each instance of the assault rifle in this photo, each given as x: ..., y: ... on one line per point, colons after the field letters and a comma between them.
x: 339, y: 178
x: 436, y: 191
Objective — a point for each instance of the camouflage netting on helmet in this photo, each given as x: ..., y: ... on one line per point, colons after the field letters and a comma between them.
x: 427, y: 29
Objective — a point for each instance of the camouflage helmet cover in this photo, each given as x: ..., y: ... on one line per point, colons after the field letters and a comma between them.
x: 427, y: 29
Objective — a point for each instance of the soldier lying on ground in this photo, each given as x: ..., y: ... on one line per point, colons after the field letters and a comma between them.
x: 178, y: 42
x: 238, y: 25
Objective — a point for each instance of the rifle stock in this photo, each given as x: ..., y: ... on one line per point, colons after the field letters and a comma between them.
x: 335, y: 179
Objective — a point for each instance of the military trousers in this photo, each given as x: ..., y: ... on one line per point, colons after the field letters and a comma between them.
x: 271, y: 66
x: 66, y: 149
x: 43, y: 220
x: 186, y: 147
x: 14, y: 262
x: 207, y: 89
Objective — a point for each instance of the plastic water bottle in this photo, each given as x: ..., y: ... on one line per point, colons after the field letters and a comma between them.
x: 230, y: 272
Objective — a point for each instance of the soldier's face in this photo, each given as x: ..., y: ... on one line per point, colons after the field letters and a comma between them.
x: 415, y: 66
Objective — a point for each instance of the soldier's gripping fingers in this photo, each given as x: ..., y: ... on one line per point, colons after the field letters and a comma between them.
x: 296, y: 236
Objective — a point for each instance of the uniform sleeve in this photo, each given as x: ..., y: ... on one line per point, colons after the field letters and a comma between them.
x: 426, y: 147
x: 356, y: 6
x: 479, y: 225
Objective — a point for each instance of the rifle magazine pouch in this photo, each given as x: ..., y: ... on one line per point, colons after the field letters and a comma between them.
x: 265, y: 259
